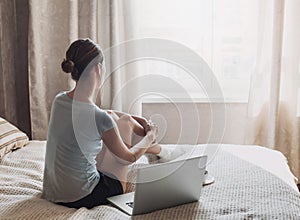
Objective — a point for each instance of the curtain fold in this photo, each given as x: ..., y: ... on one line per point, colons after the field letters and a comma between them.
x: 53, y: 25
x: 50, y: 25
x: 14, y: 88
x: 7, y: 53
x: 273, y: 108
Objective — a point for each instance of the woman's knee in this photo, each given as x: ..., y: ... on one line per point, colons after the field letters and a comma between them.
x: 125, y: 117
x: 125, y: 120
x: 128, y: 124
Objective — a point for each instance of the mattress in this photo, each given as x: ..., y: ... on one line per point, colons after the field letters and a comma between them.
x: 251, y: 182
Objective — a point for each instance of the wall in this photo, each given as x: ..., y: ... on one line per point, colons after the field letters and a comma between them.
x: 195, y: 123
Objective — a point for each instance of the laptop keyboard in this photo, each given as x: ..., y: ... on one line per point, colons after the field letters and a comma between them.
x: 130, y: 204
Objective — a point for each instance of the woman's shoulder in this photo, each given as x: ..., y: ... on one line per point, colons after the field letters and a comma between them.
x: 103, y: 120
x: 101, y: 112
x: 102, y: 115
x: 61, y: 98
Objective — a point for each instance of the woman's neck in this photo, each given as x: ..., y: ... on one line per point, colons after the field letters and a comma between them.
x: 82, y: 94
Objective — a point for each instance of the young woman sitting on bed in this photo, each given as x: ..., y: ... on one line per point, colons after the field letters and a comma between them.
x: 77, y: 127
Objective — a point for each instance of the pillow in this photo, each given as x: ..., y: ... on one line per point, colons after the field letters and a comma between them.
x: 10, y: 137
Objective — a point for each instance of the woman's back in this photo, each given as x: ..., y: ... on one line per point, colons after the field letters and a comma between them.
x: 74, y: 140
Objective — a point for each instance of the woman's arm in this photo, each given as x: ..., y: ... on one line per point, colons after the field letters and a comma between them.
x: 115, y: 144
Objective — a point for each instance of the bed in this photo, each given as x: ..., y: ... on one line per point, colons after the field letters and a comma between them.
x: 251, y: 182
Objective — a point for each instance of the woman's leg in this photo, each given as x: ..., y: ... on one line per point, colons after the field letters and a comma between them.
x: 134, y: 133
x: 128, y: 129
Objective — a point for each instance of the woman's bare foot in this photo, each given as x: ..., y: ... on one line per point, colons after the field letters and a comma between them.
x: 154, y: 149
x: 165, y: 154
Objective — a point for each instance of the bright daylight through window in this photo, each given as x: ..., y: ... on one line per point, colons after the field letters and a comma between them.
x: 223, y: 32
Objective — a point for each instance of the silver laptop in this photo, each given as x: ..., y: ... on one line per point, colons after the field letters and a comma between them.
x: 164, y: 185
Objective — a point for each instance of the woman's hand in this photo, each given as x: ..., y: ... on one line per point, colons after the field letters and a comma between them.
x: 143, y: 122
x: 152, y: 130
x: 145, y: 125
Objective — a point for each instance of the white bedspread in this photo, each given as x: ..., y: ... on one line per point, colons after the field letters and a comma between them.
x: 242, y: 190
x: 270, y: 160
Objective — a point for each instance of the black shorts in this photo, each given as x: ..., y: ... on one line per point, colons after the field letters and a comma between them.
x: 106, y: 187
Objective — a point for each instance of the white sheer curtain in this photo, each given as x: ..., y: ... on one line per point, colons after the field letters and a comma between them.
x: 116, y: 25
x: 274, y: 102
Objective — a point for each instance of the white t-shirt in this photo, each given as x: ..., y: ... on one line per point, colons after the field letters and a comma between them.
x: 74, y: 140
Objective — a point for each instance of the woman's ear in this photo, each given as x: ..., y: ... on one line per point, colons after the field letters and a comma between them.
x: 99, y: 69
x: 99, y: 72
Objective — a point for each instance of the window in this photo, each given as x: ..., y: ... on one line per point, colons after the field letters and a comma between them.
x: 223, y: 32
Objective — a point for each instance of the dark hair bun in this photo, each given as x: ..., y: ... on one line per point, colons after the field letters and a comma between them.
x: 67, y: 66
